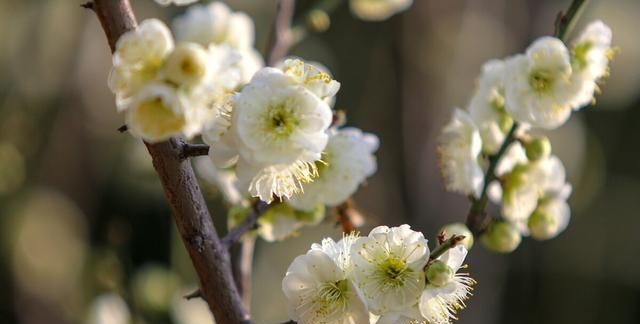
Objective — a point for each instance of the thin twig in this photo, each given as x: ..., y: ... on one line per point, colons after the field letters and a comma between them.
x: 476, y: 218
x: 282, y: 37
x: 210, y: 258
x: 348, y: 216
x: 195, y: 294
x: 445, y: 246
x: 193, y: 150
x: 88, y: 5
x: 565, y: 22
x: 246, y: 225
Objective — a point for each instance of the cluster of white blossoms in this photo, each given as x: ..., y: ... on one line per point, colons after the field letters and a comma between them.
x: 167, y: 89
x: 537, y: 89
x: 271, y: 130
x: 385, y: 277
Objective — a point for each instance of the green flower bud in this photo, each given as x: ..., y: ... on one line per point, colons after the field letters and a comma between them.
x: 501, y: 237
x: 312, y: 217
x: 515, y: 180
x: 459, y: 229
x: 318, y: 20
x: 505, y: 123
x: 236, y: 215
x: 439, y: 273
x: 542, y: 224
x: 537, y: 148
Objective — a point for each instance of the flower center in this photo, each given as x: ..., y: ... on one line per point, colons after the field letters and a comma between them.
x: 331, y: 297
x: 579, y: 57
x: 395, y: 271
x: 281, y: 120
x: 541, y: 81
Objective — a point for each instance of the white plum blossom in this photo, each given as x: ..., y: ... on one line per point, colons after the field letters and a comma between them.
x: 346, y: 162
x: 319, y: 291
x: 407, y: 316
x: 216, y: 25
x: 376, y: 10
x: 156, y: 113
x: 278, y: 131
x: 439, y: 302
x: 459, y: 149
x: 590, y: 56
x: 538, y: 87
x: 487, y: 107
x: 138, y: 58
x: 388, y: 267
x: 175, y: 2
x: 317, y: 79
x: 339, y: 251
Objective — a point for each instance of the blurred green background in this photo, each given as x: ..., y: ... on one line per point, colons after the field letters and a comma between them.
x: 83, y: 217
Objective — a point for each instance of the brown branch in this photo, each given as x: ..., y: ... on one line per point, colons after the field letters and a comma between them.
x: 192, y: 150
x: 445, y: 246
x: 195, y: 294
x: 209, y: 257
x: 282, y: 37
x: 344, y: 212
x: 246, y: 225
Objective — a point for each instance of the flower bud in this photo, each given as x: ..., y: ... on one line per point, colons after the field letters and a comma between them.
x: 537, y: 148
x: 318, y: 20
x: 311, y: 217
x: 187, y: 64
x: 501, y: 237
x: 439, y: 273
x: 459, y: 229
x: 505, y: 122
x: 542, y: 224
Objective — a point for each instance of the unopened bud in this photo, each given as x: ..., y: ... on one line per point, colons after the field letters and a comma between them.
x: 187, y: 64
x: 439, y: 273
x: 501, y: 237
x: 459, y: 229
x: 542, y: 224
x: 505, y: 122
x: 537, y: 148
x: 318, y: 20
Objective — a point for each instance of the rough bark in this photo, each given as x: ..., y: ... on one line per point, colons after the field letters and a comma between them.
x: 209, y: 256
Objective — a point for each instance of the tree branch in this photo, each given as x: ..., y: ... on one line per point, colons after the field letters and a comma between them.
x: 445, y: 246
x: 477, y: 217
x: 209, y: 257
x: 193, y: 150
x: 282, y: 37
x: 566, y: 21
x: 246, y: 225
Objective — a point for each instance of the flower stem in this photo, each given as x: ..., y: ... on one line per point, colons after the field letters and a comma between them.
x: 566, y: 21
x: 445, y: 246
x: 476, y: 218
